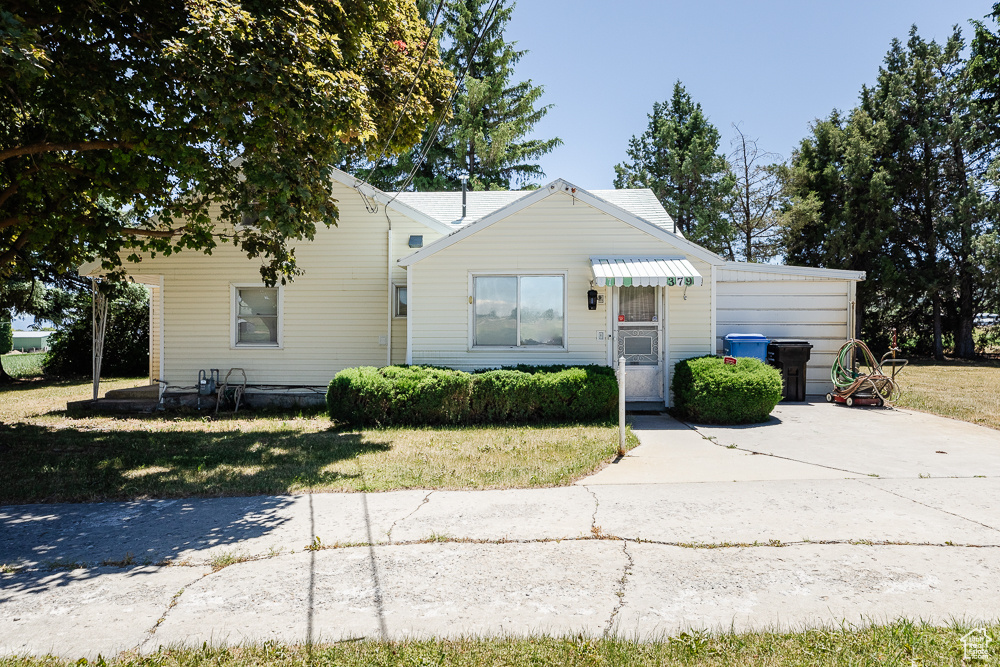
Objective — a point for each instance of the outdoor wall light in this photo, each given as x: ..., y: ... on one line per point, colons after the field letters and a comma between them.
x: 592, y: 299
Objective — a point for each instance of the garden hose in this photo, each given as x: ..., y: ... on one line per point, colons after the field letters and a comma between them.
x: 848, y: 381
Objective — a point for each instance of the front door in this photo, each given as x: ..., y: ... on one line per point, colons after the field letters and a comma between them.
x: 638, y: 336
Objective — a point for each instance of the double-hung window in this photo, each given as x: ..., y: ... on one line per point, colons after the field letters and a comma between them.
x: 519, y: 311
x: 256, y: 316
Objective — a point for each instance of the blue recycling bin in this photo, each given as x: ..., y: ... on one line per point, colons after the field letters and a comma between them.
x: 746, y: 345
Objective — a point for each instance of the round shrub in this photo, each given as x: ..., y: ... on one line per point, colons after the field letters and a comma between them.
x: 708, y: 391
x: 426, y: 395
x: 368, y: 396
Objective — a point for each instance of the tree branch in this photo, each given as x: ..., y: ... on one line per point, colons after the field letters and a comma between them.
x: 9, y: 256
x: 71, y: 146
x: 9, y: 222
x: 153, y: 233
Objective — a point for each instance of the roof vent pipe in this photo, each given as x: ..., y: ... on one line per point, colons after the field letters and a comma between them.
x: 463, y: 178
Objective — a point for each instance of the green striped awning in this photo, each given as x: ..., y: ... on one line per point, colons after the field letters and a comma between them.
x: 644, y: 271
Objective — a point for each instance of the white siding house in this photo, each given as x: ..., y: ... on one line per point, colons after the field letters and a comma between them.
x: 517, y: 277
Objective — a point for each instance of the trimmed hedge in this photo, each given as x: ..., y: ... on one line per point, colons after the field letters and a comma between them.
x: 707, y: 390
x: 398, y: 395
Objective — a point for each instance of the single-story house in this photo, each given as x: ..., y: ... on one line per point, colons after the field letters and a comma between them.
x: 557, y: 275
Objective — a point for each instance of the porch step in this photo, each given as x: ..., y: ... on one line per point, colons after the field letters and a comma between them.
x: 144, y: 392
x: 644, y: 407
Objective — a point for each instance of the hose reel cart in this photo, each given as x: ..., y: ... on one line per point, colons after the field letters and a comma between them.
x: 853, y: 386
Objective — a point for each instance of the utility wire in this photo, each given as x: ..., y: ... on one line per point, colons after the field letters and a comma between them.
x: 371, y: 205
x: 409, y: 93
x: 488, y: 21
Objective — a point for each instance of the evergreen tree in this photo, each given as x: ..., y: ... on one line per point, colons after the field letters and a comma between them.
x: 840, y: 209
x: 901, y: 190
x: 678, y: 158
x: 936, y: 157
x: 491, y: 116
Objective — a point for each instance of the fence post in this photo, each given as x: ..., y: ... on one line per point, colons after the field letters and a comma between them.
x: 621, y: 406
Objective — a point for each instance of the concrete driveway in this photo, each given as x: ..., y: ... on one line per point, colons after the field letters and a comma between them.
x: 881, y: 442
x: 807, y: 441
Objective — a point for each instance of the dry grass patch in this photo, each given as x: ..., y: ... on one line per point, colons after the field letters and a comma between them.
x: 964, y: 390
x: 54, y: 457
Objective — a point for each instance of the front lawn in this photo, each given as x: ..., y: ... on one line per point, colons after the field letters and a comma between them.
x: 50, y: 456
x: 964, y: 390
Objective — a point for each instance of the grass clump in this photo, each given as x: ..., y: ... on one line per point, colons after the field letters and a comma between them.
x: 420, y: 395
x: 709, y: 391
x: 901, y: 643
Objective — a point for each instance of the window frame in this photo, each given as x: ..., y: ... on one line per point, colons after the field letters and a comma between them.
x: 234, y: 311
x: 473, y: 347
x: 396, y: 289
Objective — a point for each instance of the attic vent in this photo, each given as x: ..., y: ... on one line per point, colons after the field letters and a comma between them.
x: 416, y: 241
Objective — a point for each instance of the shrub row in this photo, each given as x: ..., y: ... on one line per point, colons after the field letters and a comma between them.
x: 408, y: 395
x: 709, y: 391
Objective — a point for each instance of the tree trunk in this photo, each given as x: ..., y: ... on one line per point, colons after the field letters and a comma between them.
x: 938, y: 345
x: 4, y: 377
x: 965, y: 346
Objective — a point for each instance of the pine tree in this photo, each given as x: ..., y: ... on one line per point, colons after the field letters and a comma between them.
x: 678, y: 158
x: 492, y: 116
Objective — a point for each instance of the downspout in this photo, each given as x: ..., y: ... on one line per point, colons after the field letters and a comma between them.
x: 388, y: 282
x: 409, y: 314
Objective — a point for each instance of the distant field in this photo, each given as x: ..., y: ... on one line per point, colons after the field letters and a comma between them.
x: 23, y: 365
x: 966, y: 390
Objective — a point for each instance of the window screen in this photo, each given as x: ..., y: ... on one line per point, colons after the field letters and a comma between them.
x: 257, y: 316
x: 637, y: 304
x: 400, y: 302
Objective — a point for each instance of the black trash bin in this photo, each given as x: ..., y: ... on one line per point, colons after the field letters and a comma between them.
x: 790, y: 357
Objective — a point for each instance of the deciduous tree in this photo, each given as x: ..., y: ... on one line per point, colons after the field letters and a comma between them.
x: 124, y: 124
x: 757, y: 198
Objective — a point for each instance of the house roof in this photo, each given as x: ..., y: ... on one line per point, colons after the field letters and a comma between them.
x: 560, y: 187
x: 446, y: 207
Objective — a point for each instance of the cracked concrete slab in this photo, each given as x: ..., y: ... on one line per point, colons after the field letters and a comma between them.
x: 789, y: 511
x: 974, y: 499
x: 673, y: 589
x: 516, y: 514
x: 271, y: 600
x: 440, y: 590
x: 195, y: 529
x: 672, y: 453
x: 84, y: 612
x: 880, y: 441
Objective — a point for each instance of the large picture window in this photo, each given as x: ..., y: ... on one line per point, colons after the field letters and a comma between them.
x: 256, y: 316
x: 519, y: 311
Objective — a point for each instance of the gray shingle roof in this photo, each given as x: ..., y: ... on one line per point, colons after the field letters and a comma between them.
x: 446, y: 207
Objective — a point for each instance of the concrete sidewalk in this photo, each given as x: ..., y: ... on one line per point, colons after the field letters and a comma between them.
x: 790, y: 544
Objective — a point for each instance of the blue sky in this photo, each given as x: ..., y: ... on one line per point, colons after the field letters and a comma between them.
x: 773, y: 67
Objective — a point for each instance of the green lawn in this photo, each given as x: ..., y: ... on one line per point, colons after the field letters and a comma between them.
x: 966, y: 390
x: 50, y: 456
x: 23, y: 365
x: 901, y: 643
